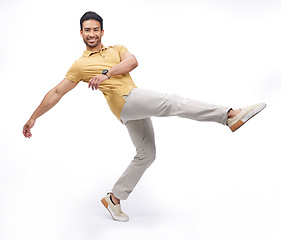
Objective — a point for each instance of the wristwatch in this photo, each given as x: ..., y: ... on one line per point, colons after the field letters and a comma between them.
x: 105, y: 72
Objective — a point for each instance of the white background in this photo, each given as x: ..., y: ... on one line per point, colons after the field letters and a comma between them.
x: 207, y: 182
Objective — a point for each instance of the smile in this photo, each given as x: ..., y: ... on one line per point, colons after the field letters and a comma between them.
x: 92, y: 39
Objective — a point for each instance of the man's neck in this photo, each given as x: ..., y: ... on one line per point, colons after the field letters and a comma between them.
x: 95, y: 49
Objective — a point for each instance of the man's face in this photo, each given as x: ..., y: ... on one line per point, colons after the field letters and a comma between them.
x: 91, y: 34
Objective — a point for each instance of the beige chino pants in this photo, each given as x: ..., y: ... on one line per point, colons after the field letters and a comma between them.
x: 141, y: 104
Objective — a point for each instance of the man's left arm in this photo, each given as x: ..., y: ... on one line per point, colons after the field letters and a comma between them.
x: 127, y: 64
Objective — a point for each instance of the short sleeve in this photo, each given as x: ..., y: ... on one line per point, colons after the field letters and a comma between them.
x: 74, y: 73
x: 121, y: 49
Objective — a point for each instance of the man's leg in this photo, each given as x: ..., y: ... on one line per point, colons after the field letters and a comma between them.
x: 142, y: 135
x: 143, y: 103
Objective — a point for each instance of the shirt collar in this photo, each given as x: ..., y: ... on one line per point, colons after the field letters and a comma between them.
x: 89, y: 53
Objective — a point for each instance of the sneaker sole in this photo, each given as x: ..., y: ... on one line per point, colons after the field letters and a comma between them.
x: 105, y: 203
x: 251, y: 114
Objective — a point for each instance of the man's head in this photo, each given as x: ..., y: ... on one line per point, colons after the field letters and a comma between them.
x: 91, y: 30
x: 91, y: 15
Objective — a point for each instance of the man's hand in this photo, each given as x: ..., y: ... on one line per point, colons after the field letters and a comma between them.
x: 95, y: 82
x: 26, y: 128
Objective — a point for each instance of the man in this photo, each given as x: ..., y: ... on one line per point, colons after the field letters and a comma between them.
x: 107, y: 69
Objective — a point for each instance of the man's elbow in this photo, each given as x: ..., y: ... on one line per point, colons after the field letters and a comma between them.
x: 57, y: 92
x: 134, y: 63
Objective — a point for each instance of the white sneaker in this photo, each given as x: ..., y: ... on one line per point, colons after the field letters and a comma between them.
x: 246, y: 114
x: 114, y: 210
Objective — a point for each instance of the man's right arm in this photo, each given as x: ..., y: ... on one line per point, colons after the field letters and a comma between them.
x: 50, y: 100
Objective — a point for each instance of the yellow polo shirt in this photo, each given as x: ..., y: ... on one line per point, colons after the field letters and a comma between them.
x: 93, y: 63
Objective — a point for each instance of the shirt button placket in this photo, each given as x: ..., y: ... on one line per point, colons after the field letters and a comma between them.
x: 102, y: 55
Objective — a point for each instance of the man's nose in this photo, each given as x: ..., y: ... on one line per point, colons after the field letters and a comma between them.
x: 91, y: 33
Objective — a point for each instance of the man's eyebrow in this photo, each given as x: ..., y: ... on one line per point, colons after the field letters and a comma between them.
x: 87, y: 28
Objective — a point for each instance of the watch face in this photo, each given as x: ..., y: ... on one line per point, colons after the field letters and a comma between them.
x: 105, y: 71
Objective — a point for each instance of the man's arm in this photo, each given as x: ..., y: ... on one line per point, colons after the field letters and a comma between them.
x: 50, y: 100
x: 127, y: 64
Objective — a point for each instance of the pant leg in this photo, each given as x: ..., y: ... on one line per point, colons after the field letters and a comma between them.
x: 142, y: 135
x: 143, y: 103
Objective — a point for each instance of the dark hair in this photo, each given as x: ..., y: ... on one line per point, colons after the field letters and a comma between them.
x: 91, y: 15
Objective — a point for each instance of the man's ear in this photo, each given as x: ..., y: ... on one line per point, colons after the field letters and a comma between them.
x: 81, y: 33
x: 102, y: 32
